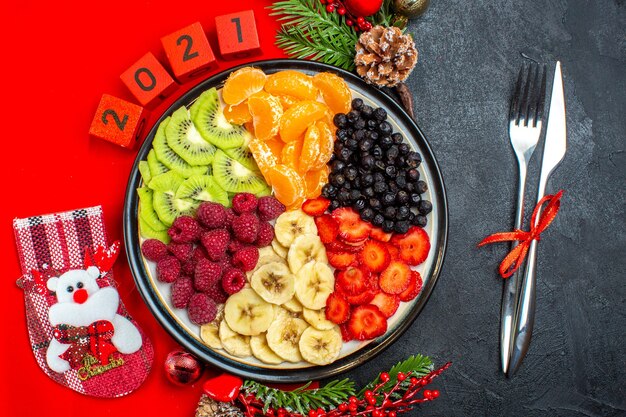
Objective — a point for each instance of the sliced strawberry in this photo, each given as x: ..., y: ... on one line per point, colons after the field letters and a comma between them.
x: 378, y: 234
x: 414, y: 245
x: 375, y: 256
x: 393, y: 251
x: 366, y: 322
x: 395, y: 278
x: 337, y: 309
x: 387, y: 304
x: 364, y: 298
x: 327, y: 228
x: 414, y: 288
x: 353, y: 280
x: 315, y: 207
x: 345, y: 334
x: 338, y: 246
x: 351, y: 227
x: 341, y: 260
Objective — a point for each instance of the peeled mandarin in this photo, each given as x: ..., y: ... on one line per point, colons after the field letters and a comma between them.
x: 287, y: 101
x: 263, y: 155
x: 242, y: 83
x: 237, y: 114
x: 291, y: 83
x: 334, y: 90
x: 299, y: 117
x: 310, y: 148
x: 287, y: 184
x: 291, y: 154
x: 326, y: 145
x: 314, y: 181
x: 266, y: 112
x: 276, y: 145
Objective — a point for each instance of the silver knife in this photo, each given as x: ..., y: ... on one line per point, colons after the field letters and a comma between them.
x: 553, y: 152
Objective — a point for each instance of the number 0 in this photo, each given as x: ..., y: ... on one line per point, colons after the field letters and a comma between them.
x: 237, y: 23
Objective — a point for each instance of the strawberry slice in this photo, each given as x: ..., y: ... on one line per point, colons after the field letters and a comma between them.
x: 345, y: 334
x: 366, y: 322
x: 387, y: 304
x: 353, y: 280
x: 337, y: 309
x: 315, y: 207
x: 327, y: 228
x: 338, y: 246
x: 375, y: 256
x: 351, y: 227
x: 395, y: 278
x: 364, y: 298
x: 414, y: 245
x: 341, y: 260
x: 414, y: 288
x: 378, y: 234
x: 393, y: 251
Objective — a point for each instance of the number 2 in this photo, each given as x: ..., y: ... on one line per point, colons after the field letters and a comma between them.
x: 237, y: 23
x: 188, y: 43
x: 121, y: 124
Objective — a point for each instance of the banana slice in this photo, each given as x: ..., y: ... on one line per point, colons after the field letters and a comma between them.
x: 262, y: 351
x: 283, y: 337
x: 314, y: 283
x: 279, y: 249
x: 292, y: 224
x: 304, y: 249
x: 317, y: 319
x: 293, y: 305
x: 247, y: 313
x: 234, y: 343
x: 209, y: 333
x: 274, y: 282
x: 320, y: 347
x: 267, y: 255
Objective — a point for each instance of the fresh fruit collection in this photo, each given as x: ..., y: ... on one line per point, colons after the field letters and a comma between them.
x: 267, y: 206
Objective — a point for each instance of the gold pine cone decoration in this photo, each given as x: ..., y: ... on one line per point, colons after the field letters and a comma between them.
x: 209, y: 408
x: 385, y: 56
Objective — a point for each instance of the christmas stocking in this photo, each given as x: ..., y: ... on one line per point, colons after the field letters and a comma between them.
x: 80, y: 332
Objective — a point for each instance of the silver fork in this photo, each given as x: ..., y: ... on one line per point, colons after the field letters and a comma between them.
x: 524, y: 132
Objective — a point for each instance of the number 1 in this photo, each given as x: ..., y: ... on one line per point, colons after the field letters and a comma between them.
x: 237, y: 23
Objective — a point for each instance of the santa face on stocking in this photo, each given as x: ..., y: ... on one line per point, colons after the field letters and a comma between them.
x: 85, y: 322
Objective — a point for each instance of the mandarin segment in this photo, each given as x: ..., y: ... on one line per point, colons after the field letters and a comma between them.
x: 266, y: 112
x: 291, y: 154
x: 276, y: 145
x: 326, y: 145
x: 310, y: 148
x: 287, y: 101
x: 292, y: 83
x: 314, y: 181
x: 264, y: 157
x: 242, y: 83
x: 299, y: 117
x: 237, y: 114
x: 334, y: 90
x: 287, y: 184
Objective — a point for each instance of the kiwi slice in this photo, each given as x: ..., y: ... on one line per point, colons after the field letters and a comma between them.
x: 168, y: 157
x: 233, y: 177
x: 149, y: 233
x: 208, y: 117
x: 185, y: 140
x: 202, y: 188
x: 156, y: 167
x: 146, y: 209
x: 167, y: 182
x: 144, y: 170
x: 243, y: 155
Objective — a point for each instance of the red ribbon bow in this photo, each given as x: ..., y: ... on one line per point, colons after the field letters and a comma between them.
x: 94, y: 339
x: 516, y: 256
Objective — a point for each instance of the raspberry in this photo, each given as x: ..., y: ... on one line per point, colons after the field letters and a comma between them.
x: 217, y: 293
x: 201, y: 309
x: 188, y: 267
x: 206, y: 274
x: 211, y: 215
x: 185, y: 229
x: 224, y: 262
x: 246, y: 227
x: 182, y: 251
x: 246, y: 258
x: 182, y: 290
x: 233, y: 280
x: 230, y: 216
x: 265, y: 236
x: 154, y: 249
x: 168, y: 269
x: 199, y: 253
x: 235, y: 246
x: 269, y: 208
x: 215, y: 242
x: 244, y: 203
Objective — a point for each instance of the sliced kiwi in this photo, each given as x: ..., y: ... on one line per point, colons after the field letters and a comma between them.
x: 144, y: 170
x: 265, y: 192
x: 202, y: 188
x: 156, y: 166
x: 168, y: 207
x: 168, y: 157
x: 167, y: 182
x: 234, y: 177
x: 208, y: 117
x: 184, y: 139
x: 146, y: 209
x: 243, y: 155
x: 149, y: 233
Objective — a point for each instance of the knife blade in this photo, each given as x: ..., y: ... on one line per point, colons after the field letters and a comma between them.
x: 555, y: 145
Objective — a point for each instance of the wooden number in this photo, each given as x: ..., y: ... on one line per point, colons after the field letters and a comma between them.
x: 118, y: 121
x: 121, y: 124
x: 237, y: 35
x: 188, y: 52
x: 148, y: 80
x: 188, y: 43
x: 237, y: 22
x: 140, y: 83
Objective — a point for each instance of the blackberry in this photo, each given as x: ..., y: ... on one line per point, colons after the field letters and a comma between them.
x: 345, y: 154
x: 338, y: 180
x: 355, y: 195
x: 342, y: 135
x: 420, y: 220
x: 413, y: 159
x: 379, y: 177
x: 352, y: 144
x: 359, y: 135
x: 413, y: 174
x: 360, y: 123
x: 367, y: 162
x: 366, y: 144
x: 329, y: 190
x: 380, y: 114
x: 388, y: 199
x: 367, y: 214
x: 338, y: 165
x: 404, y: 149
x: 403, y: 213
x: 343, y: 196
x: 372, y: 124
x: 402, y: 197
x: 369, y: 192
x: 357, y: 104
x: 352, y: 116
x: 386, y: 142
x: 359, y: 204
x: 391, y: 171
x: 373, y: 136
x: 375, y: 203
x: 385, y: 128
x: 424, y: 207
x: 393, y: 187
x: 380, y: 187
x: 367, y: 180
x: 378, y: 220
x: 388, y: 226
x: 334, y: 204
x: 402, y: 227
x: 366, y: 111
x: 379, y: 165
x: 340, y: 120
x: 390, y: 212
x: 421, y: 187
x: 414, y: 199
x: 401, y: 181
x: 397, y: 138
x: 392, y: 153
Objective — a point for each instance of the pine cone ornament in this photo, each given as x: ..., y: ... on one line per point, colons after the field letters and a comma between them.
x: 210, y: 408
x: 384, y: 56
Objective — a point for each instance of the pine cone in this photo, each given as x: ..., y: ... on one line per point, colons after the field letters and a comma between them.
x: 209, y: 408
x: 384, y: 56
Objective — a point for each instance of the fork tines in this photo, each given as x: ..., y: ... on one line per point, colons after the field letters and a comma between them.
x: 529, y: 96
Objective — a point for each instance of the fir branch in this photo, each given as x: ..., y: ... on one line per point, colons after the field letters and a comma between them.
x: 301, y: 399
x: 384, y: 16
x: 417, y: 365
